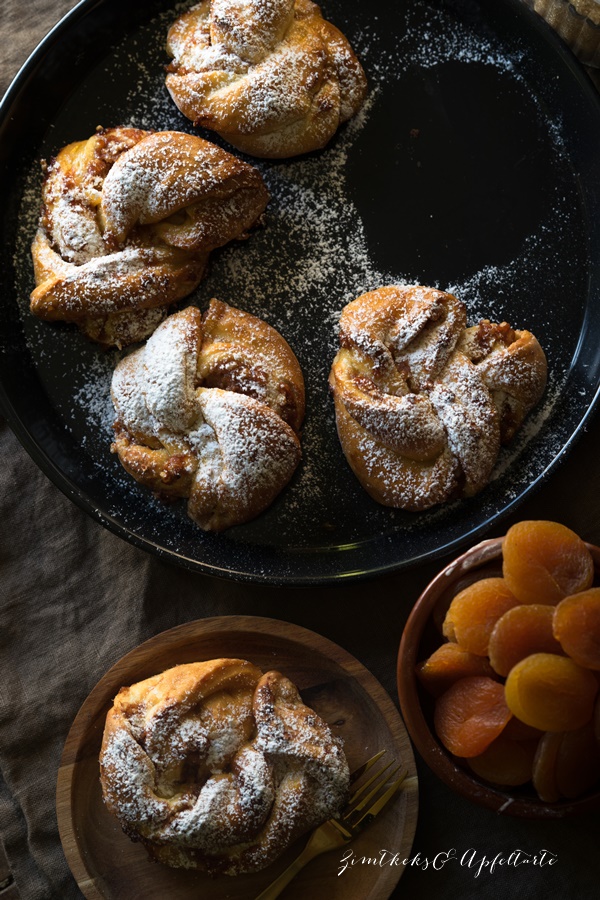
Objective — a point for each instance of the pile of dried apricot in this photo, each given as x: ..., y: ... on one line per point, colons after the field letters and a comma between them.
x: 517, y: 683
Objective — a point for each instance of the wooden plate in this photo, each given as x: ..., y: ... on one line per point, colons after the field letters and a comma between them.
x: 106, y: 864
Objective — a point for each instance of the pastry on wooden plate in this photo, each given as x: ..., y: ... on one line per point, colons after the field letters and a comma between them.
x: 128, y: 220
x: 219, y: 767
x: 272, y: 77
x: 210, y: 409
x: 422, y: 402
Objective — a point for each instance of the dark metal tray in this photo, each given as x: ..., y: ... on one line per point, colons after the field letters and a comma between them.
x: 474, y: 167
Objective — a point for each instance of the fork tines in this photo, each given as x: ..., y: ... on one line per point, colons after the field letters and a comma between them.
x: 359, y: 812
x: 362, y: 770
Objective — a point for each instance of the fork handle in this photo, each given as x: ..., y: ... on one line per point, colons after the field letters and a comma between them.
x: 292, y: 870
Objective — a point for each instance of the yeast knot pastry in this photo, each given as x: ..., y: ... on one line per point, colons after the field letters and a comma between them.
x: 272, y: 77
x: 422, y: 402
x: 128, y: 220
x: 210, y: 409
x: 215, y: 766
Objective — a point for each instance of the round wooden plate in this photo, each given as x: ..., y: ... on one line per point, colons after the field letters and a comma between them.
x: 106, y: 864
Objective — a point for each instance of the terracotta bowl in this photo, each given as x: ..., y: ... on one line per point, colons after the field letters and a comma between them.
x: 422, y: 634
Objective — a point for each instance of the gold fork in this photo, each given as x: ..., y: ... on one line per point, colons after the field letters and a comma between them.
x: 359, y: 812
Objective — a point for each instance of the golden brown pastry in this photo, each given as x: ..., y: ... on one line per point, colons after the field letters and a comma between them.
x: 215, y: 766
x: 272, y: 77
x: 210, y: 408
x: 577, y: 22
x: 422, y: 402
x: 128, y: 220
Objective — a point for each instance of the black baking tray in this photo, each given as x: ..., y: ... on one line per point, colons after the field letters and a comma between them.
x: 474, y: 168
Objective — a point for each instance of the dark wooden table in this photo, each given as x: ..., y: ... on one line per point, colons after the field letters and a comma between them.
x: 570, y: 496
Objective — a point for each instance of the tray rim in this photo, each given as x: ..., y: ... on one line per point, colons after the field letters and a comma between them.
x: 298, y: 575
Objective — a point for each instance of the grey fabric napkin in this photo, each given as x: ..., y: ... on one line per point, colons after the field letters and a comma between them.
x: 73, y: 599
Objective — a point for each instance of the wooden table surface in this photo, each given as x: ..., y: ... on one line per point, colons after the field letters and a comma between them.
x: 571, y: 496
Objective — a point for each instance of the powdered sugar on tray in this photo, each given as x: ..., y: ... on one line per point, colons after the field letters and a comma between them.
x: 429, y: 37
x: 312, y: 257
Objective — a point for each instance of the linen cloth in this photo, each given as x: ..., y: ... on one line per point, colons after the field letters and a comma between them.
x: 74, y: 598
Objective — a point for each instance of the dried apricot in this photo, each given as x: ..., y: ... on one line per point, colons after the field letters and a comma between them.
x: 544, y: 767
x: 474, y: 612
x: 543, y: 562
x: 470, y: 715
x: 521, y: 631
x: 448, y: 664
x: 519, y: 731
x: 551, y: 692
x: 577, y: 762
x: 566, y: 764
x: 505, y: 761
x: 577, y: 627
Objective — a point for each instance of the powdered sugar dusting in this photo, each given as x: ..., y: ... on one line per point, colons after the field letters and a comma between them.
x: 251, y: 457
x: 429, y: 37
x: 220, y: 776
x: 179, y: 432
x: 270, y: 75
x: 407, y: 357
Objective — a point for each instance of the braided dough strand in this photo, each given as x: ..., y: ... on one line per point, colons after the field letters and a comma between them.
x: 422, y: 402
x: 128, y: 221
x: 214, y: 765
x: 209, y: 409
x: 272, y: 77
